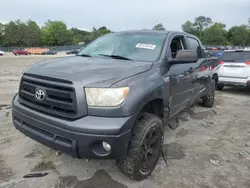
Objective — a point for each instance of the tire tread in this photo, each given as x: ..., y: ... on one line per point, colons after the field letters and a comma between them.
x: 129, y: 165
x: 207, y: 100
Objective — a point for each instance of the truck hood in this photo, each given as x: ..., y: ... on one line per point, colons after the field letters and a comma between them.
x: 92, y: 72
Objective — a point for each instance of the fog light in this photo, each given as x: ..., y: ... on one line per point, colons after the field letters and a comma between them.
x: 106, y: 146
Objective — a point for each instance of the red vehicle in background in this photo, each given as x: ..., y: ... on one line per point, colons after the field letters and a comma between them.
x: 20, y: 52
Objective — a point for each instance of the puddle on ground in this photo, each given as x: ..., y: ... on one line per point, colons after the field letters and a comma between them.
x: 101, y: 179
x: 174, y: 151
x: 182, y: 133
x: 4, y: 141
x: 215, y: 143
x: 220, y: 180
x: 247, y: 184
x: 203, y: 185
x: 32, y: 154
x: 3, y: 105
x: 5, y: 172
x: 43, y: 166
x: 202, y: 114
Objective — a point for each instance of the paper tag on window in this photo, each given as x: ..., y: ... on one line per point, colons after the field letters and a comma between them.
x: 146, y: 46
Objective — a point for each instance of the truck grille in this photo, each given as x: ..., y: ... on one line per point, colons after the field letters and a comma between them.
x: 59, y: 97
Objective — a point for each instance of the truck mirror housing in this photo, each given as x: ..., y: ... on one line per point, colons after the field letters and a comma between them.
x: 184, y: 56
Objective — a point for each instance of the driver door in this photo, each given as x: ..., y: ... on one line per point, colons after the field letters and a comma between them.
x: 181, y: 77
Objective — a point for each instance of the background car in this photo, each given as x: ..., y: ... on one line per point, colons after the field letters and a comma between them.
x: 218, y: 53
x: 74, y: 51
x: 234, y: 68
x: 209, y: 53
x: 20, y: 52
x: 49, y: 53
x: 1, y: 52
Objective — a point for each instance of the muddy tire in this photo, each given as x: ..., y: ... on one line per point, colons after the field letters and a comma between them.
x: 208, y: 99
x: 144, y: 149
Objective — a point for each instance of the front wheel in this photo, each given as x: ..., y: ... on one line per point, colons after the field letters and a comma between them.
x: 144, y: 149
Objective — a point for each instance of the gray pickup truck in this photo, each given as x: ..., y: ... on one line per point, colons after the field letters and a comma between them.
x: 112, y: 100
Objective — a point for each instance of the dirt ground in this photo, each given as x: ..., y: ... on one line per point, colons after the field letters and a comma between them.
x: 210, y: 148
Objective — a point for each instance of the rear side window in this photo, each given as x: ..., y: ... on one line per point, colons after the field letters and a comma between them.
x: 195, y: 45
x: 235, y: 56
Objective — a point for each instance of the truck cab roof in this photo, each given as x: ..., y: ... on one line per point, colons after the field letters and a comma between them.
x: 153, y: 32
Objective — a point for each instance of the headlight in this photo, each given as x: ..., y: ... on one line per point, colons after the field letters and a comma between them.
x: 106, y: 96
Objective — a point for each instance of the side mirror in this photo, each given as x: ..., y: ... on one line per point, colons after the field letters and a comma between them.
x: 184, y: 56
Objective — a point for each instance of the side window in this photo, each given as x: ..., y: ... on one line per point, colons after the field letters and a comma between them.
x: 194, y: 45
x: 177, y: 43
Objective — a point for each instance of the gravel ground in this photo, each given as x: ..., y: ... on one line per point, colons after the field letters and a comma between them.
x: 210, y: 148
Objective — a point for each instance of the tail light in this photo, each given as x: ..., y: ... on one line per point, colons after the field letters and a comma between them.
x: 248, y: 63
x: 203, y: 68
x: 221, y: 62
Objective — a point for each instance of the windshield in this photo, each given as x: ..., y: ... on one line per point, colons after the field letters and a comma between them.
x: 133, y: 46
x: 236, y: 56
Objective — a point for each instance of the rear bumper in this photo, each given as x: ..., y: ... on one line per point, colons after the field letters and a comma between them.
x: 78, y: 142
x: 229, y: 81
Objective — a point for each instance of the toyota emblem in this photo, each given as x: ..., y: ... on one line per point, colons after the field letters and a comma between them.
x: 40, y: 94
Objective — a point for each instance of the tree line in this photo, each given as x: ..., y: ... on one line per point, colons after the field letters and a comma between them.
x: 52, y: 33
x: 215, y: 33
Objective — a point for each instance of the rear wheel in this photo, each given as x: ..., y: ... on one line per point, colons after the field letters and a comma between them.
x: 208, y: 99
x: 144, y: 148
x: 219, y: 87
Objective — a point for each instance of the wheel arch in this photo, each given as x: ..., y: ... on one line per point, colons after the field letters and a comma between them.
x: 154, y: 106
x: 156, y: 102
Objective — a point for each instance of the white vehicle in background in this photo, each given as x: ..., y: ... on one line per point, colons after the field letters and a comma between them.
x: 1, y: 52
x: 234, y: 68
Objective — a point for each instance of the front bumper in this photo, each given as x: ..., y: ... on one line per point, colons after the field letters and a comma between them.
x: 230, y: 81
x: 81, y: 138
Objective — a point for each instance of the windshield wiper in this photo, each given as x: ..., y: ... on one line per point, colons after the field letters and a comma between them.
x: 116, y: 57
x: 84, y: 55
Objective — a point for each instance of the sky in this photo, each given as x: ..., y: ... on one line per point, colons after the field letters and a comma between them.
x: 119, y: 15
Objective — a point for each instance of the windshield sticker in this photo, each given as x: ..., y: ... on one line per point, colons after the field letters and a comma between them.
x: 146, y: 46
